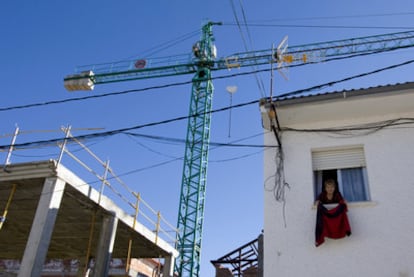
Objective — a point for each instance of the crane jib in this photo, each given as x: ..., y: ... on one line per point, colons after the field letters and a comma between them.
x: 87, y: 76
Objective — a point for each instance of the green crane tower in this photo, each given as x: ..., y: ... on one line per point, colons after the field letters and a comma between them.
x: 194, y: 180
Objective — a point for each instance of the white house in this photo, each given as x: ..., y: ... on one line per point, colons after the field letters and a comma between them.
x: 365, y: 140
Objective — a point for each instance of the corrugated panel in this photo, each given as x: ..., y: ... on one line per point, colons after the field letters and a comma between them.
x: 338, y: 158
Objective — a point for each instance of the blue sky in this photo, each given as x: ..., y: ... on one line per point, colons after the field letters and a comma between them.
x: 43, y: 41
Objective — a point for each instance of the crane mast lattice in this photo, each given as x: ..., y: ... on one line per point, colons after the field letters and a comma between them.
x: 194, y: 178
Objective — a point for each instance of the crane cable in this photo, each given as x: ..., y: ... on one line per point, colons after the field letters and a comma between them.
x: 166, y: 45
x: 6, y: 209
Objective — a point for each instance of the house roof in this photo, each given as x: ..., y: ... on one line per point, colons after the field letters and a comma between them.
x: 377, y: 90
x: 356, y: 104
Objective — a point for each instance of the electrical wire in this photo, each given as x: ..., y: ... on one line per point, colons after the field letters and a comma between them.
x: 317, y: 87
x: 259, y: 80
x: 212, y: 148
x: 278, y: 182
x: 158, y: 165
x: 52, y: 142
x: 322, y: 26
x: 278, y: 97
x: 237, y: 157
x: 280, y: 185
x: 365, y: 16
x: 52, y: 102
x: 150, y: 149
x: 212, y: 143
x: 358, y: 130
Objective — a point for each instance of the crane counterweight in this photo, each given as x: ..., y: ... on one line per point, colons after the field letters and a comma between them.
x: 81, y: 81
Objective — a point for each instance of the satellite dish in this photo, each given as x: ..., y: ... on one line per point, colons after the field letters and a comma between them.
x: 231, y: 89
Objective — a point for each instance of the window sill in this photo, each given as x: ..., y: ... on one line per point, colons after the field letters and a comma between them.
x: 362, y: 204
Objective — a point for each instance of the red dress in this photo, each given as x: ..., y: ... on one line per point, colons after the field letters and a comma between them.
x: 331, y: 223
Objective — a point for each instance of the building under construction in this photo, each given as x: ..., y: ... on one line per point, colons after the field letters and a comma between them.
x: 50, y: 215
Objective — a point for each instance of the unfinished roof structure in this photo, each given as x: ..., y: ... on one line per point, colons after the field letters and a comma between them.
x: 245, y: 261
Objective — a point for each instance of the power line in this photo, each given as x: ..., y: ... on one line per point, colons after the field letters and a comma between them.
x: 92, y: 96
x: 52, y: 102
x: 214, y: 146
x: 278, y: 97
x: 259, y: 80
x: 125, y: 131
x: 279, y: 191
x: 183, y: 141
x: 368, y: 128
x: 338, y: 17
x: 323, y: 26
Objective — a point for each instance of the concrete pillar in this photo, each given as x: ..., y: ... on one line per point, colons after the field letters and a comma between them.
x: 105, y: 246
x: 168, y: 269
x: 41, y: 232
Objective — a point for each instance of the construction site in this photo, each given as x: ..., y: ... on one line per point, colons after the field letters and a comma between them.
x: 53, y: 216
x: 56, y: 224
x: 65, y: 210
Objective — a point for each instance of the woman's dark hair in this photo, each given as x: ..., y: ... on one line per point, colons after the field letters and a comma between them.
x: 330, y: 182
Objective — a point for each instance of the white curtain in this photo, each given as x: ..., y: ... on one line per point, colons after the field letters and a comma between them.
x: 353, y: 184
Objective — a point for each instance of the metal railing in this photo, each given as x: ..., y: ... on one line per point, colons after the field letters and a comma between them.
x: 108, y: 183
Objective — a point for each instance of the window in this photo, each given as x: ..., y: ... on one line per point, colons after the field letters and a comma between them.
x: 345, y: 165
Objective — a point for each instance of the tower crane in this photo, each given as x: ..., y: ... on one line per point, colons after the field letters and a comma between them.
x: 201, y: 65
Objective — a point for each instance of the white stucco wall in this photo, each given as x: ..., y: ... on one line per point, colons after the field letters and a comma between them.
x: 382, y: 240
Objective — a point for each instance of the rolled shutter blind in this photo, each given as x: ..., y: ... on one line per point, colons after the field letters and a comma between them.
x: 336, y: 158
